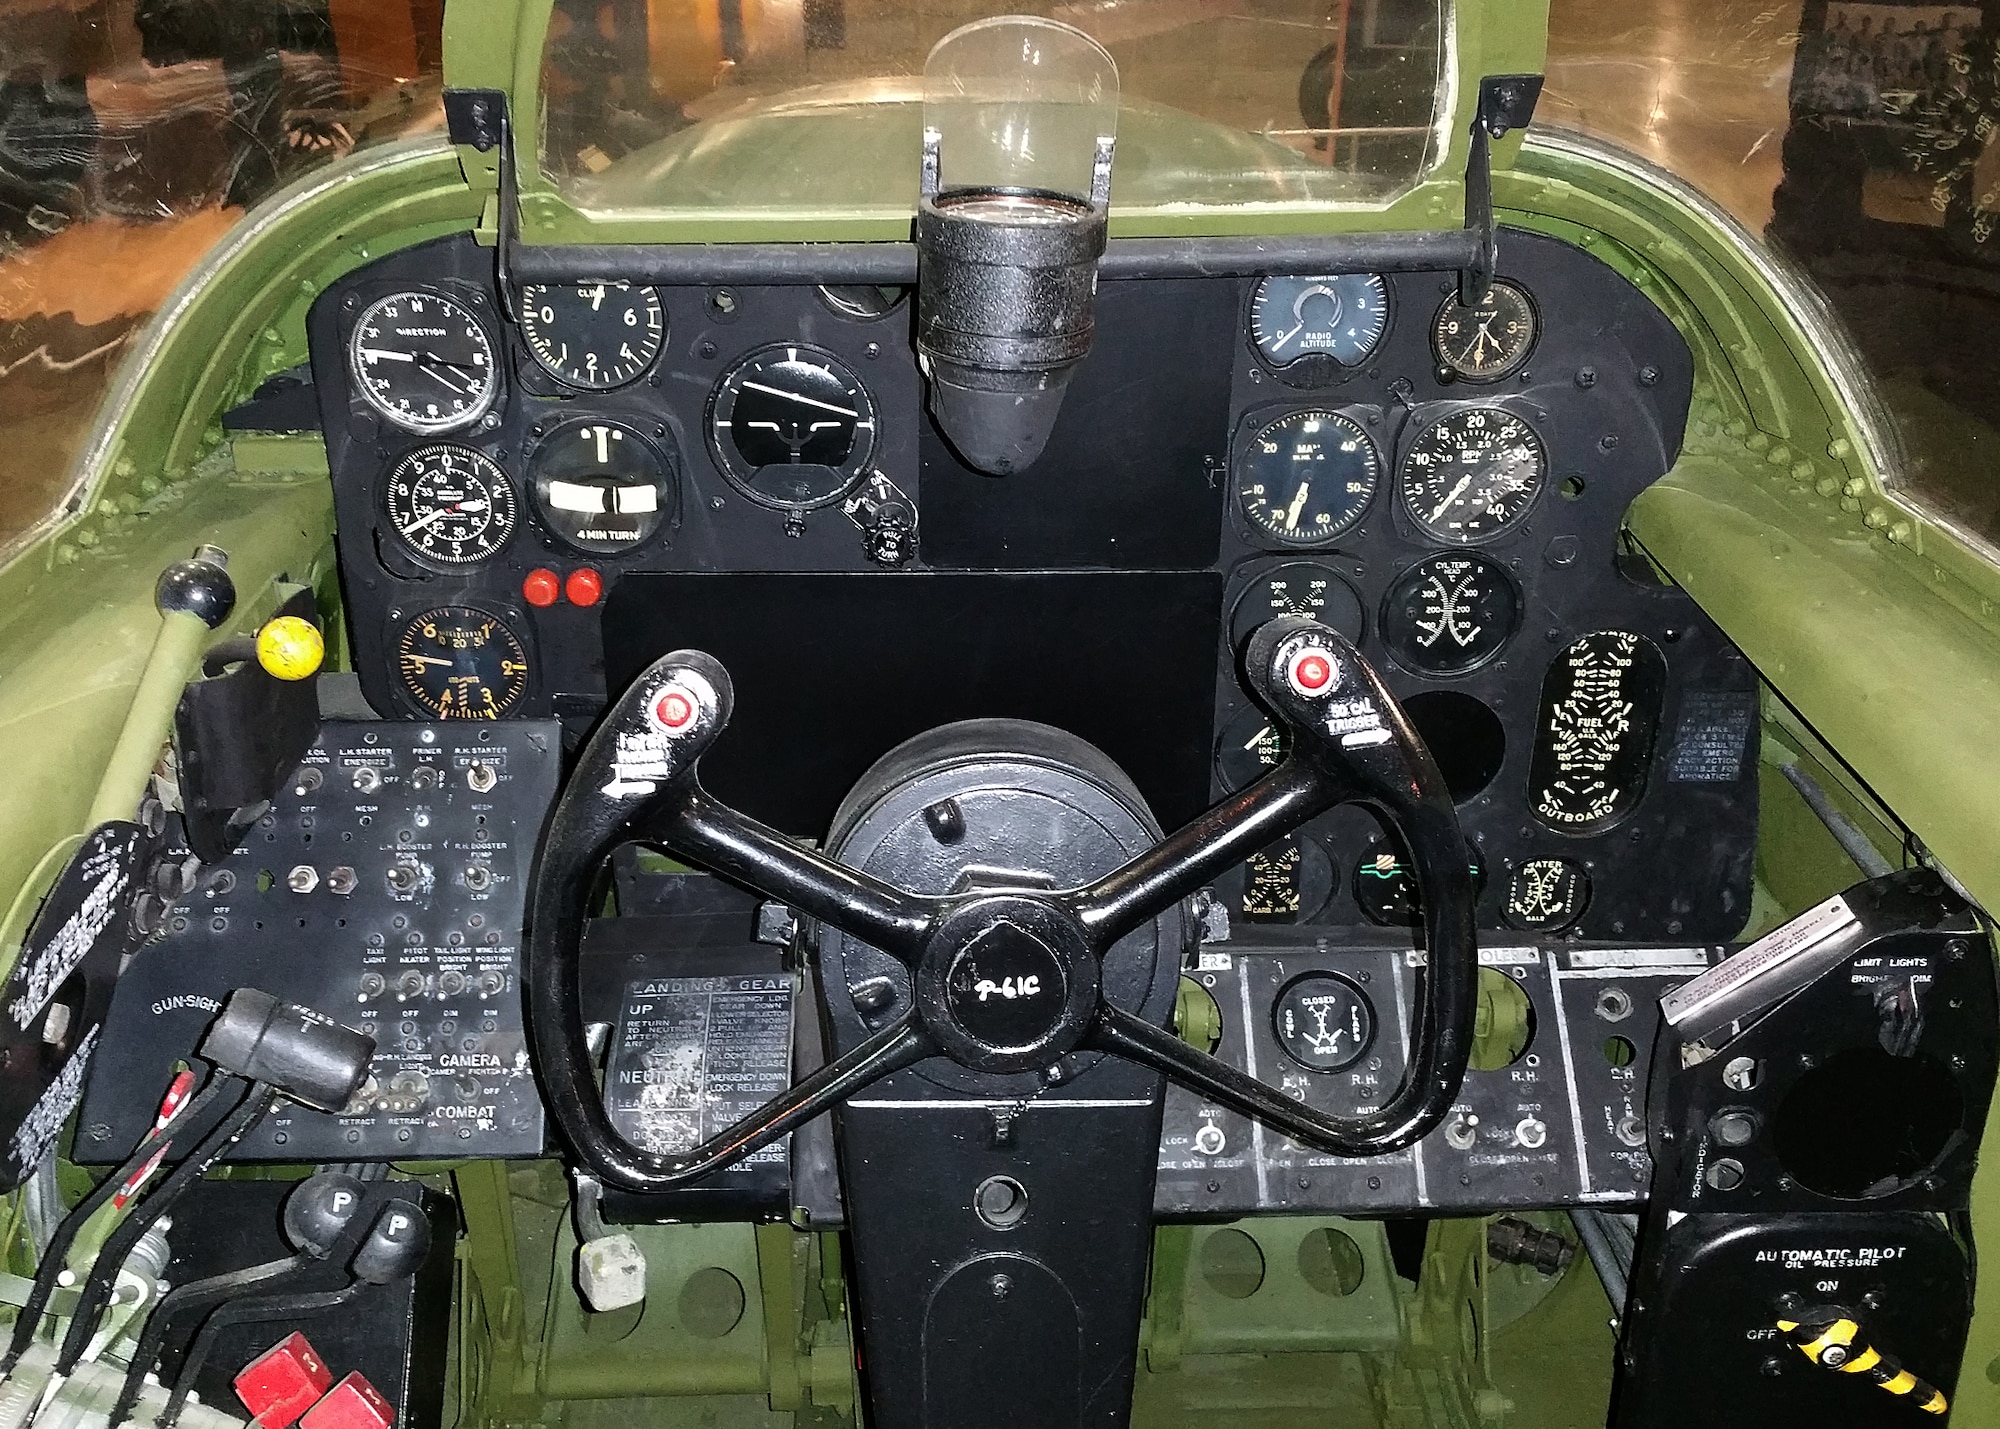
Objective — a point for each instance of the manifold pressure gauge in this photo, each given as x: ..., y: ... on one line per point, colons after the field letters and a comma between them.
x: 461, y: 662
x: 449, y: 504
x: 423, y: 361
x: 1305, y: 478
x: 1488, y: 340
x: 593, y: 335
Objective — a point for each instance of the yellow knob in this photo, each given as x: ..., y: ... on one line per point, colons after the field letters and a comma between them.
x: 290, y: 647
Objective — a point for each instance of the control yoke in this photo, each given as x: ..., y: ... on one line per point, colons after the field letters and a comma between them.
x: 638, y: 781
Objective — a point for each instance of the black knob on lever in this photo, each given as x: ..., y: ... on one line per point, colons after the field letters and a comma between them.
x: 396, y: 1245
x: 305, y: 1054
x: 319, y: 1212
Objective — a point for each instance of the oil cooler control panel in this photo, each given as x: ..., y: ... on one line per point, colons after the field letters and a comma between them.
x: 386, y: 886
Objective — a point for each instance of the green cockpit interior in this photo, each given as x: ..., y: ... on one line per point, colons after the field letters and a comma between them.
x: 697, y: 599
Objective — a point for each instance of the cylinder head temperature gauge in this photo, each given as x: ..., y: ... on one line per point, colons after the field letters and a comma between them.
x: 1306, y: 477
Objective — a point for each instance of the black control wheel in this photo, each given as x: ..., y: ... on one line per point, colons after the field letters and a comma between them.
x: 638, y: 780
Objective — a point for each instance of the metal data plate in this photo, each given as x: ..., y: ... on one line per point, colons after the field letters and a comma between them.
x: 430, y: 829
x: 1562, y: 1124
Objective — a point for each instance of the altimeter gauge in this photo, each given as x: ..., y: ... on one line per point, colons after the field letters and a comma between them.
x: 1487, y: 340
x: 1450, y: 613
x: 593, y: 335
x: 449, y: 504
x: 1324, y: 1022
x: 1305, y: 478
x: 1473, y: 474
x: 423, y: 361
x: 461, y: 662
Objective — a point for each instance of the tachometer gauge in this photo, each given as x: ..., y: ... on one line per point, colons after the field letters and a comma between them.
x: 1307, y: 477
x: 1339, y: 318
x: 460, y: 662
x: 423, y: 361
x: 1472, y: 474
x: 1450, y: 613
x: 593, y: 335
x: 1487, y: 341
x: 1324, y: 1022
x: 600, y: 486
x: 791, y: 427
x: 449, y: 504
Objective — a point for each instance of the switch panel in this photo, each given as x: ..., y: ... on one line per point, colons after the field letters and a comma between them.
x: 1552, y: 1113
x: 386, y: 887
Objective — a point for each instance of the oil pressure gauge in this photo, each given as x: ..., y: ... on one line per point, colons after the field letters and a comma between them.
x: 1324, y: 1022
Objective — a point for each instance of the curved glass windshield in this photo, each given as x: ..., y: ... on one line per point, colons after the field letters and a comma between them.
x: 814, y: 106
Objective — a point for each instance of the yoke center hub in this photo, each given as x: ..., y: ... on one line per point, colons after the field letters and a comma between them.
x: 1006, y: 987
x: 1008, y: 983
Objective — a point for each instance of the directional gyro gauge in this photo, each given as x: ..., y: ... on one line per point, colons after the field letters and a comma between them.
x: 593, y: 335
x: 1305, y: 478
x: 1473, y: 474
x: 449, y: 504
x: 1488, y: 340
x: 1339, y: 318
x: 423, y: 361
x: 1450, y: 613
x: 460, y: 662
x: 1324, y: 1022
x: 791, y: 427
x: 601, y: 487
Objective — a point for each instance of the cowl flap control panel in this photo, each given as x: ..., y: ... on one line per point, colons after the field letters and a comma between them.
x: 387, y: 887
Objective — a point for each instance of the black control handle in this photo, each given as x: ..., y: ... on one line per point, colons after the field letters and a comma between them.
x: 638, y: 779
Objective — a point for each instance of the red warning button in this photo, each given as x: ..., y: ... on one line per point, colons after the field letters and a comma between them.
x: 1310, y: 670
x: 673, y: 711
x: 354, y: 1403
x: 283, y: 1382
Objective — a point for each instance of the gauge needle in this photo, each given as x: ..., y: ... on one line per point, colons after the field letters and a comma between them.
x: 383, y: 354
x: 1298, y: 505
x: 433, y: 371
x: 426, y: 660
x: 1289, y: 336
x: 800, y: 398
x: 1456, y: 492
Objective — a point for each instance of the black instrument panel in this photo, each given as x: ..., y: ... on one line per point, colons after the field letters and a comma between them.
x: 1444, y: 484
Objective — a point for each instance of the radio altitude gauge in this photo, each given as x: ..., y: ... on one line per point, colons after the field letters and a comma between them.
x: 1341, y: 318
x: 449, y: 504
x: 460, y: 662
x: 593, y: 335
x: 1488, y: 340
x: 1472, y: 474
x: 1307, y: 477
x: 423, y: 361
x: 791, y: 427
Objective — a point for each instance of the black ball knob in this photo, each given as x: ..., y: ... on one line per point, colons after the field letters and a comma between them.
x: 396, y: 1244
x: 319, y: 1212
x: 199, y: 586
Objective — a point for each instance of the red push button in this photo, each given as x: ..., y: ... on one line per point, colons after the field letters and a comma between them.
x: 1311, y: 671
x: 540, y: 587
x: 673, y: 711
x: 354, y: 1403
x: 584, y: 586
x: 283, y: 1382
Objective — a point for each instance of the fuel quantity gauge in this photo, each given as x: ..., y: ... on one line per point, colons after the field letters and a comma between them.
x: 1305, y: 478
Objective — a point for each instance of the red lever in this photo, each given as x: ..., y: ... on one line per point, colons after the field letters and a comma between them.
x: 283, y: 1382
x: 354, y: 1403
